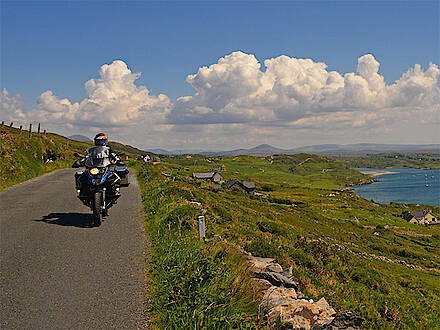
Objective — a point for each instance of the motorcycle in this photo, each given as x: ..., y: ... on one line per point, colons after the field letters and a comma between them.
x: 98, y: 185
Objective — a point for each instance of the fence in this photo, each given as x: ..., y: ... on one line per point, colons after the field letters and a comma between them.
x: 11, y: 125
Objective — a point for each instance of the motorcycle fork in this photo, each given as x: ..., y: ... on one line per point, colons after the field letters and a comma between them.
x: 103, y: 198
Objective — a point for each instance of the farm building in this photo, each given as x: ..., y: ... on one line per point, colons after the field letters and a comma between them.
x: 247, y: 187
x: 212, y: 176
x: 421, y: 217
x: 216, y: 169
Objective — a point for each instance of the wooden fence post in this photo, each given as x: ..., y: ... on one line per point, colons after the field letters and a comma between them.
x: 38, y: 128
x: 44, y: 132
x: 21, y: 127
x: 30, y: 130
x: 3, y: 123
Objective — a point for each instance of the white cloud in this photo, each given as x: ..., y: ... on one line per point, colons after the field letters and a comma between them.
x: 11, y: 107
x: 300, y: 91
x: 112, y: 100
x: 236, y: 102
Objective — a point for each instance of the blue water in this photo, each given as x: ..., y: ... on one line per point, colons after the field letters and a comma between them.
x: 405, y: 185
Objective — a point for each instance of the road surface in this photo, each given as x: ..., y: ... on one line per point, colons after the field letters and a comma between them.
x: 57, y: 273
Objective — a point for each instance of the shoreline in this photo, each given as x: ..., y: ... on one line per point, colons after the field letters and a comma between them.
x: 380, y: 173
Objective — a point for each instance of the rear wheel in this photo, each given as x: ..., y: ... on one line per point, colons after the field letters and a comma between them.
x: 97, y: 210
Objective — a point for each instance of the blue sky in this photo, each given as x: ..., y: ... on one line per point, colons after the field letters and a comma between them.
x: 59, y: 45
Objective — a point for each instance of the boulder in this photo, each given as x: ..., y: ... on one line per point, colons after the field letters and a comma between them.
x: 325, y: 306
x: 277, y: 279
x: 259, y: 263
x: 274, y: 267
x: 275, y: 296
x: 262, y: 284
x: 300, y: 314
x: 346, y: 321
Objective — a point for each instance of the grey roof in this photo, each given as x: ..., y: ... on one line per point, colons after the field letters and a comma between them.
x: 203, y: 175
x: 229, y: 183
x: 249, y: 185
x: 419, y: 214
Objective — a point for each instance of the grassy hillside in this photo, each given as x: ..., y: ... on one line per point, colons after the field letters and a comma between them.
x: 357, y: 254
x: 22, y: 158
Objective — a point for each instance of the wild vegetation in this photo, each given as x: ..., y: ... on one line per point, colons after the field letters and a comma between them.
x: 359, y: 255
x: 23, y: 157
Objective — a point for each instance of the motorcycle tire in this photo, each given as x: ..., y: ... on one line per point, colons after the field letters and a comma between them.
x: 97, y: 210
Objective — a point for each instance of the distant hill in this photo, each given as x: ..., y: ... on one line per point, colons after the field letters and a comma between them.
x: 267, y: 150
x: 129, y: 150
x: 81, y: 138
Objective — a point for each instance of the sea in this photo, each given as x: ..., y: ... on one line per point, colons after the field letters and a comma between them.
x: 402, y: 185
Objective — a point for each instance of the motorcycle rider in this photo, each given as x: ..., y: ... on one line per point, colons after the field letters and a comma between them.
x: 102, y: 141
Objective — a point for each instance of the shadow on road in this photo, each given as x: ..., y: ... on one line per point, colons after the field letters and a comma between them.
x: 81, y: 220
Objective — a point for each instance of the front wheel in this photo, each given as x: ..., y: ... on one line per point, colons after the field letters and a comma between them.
x: 96, y: 207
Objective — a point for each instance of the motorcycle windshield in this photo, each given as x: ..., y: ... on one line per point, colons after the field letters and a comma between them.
x: 98, y: 156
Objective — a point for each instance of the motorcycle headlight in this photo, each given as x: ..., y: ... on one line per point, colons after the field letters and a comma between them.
x: 94, y: 171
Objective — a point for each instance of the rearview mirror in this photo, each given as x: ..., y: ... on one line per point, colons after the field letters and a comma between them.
x: 78, y: 155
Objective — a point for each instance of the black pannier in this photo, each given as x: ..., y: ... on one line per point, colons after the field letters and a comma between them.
x: 78, y: 179
x: 123, y: 173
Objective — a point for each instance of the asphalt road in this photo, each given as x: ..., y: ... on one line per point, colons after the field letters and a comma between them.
x: 57, y: 273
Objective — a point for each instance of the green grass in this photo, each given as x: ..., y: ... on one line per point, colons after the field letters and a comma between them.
x: 309, y: 233
x: 194, y: 285
x: 22, y: 158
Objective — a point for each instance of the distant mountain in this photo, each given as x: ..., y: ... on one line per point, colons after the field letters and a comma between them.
x: 81, y: 138
x: 364, y: 147
x: 267, y: 150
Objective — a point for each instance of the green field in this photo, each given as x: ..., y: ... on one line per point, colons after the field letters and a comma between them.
x: 336, y: 241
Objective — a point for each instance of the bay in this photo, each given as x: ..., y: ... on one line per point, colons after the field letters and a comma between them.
x: 402, y: 185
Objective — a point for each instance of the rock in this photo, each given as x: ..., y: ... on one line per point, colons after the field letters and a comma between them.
x: 300, y: 314
x: 275, y: 296
x: 301, y: 296
x: 277, y: 279
x: 288, y: 272
x: 274, y: 267
x: 346, y: 321
x: 264, y: 284
x: 325, y: 306
x: 259, y: 263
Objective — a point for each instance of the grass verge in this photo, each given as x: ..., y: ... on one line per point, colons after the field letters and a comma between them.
x: 194, y: 284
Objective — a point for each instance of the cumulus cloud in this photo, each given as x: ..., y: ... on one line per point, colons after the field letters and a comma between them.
x: 283, y: 97
x: 112, y: 100
x: 303, y: 92
x: 11, y: 107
